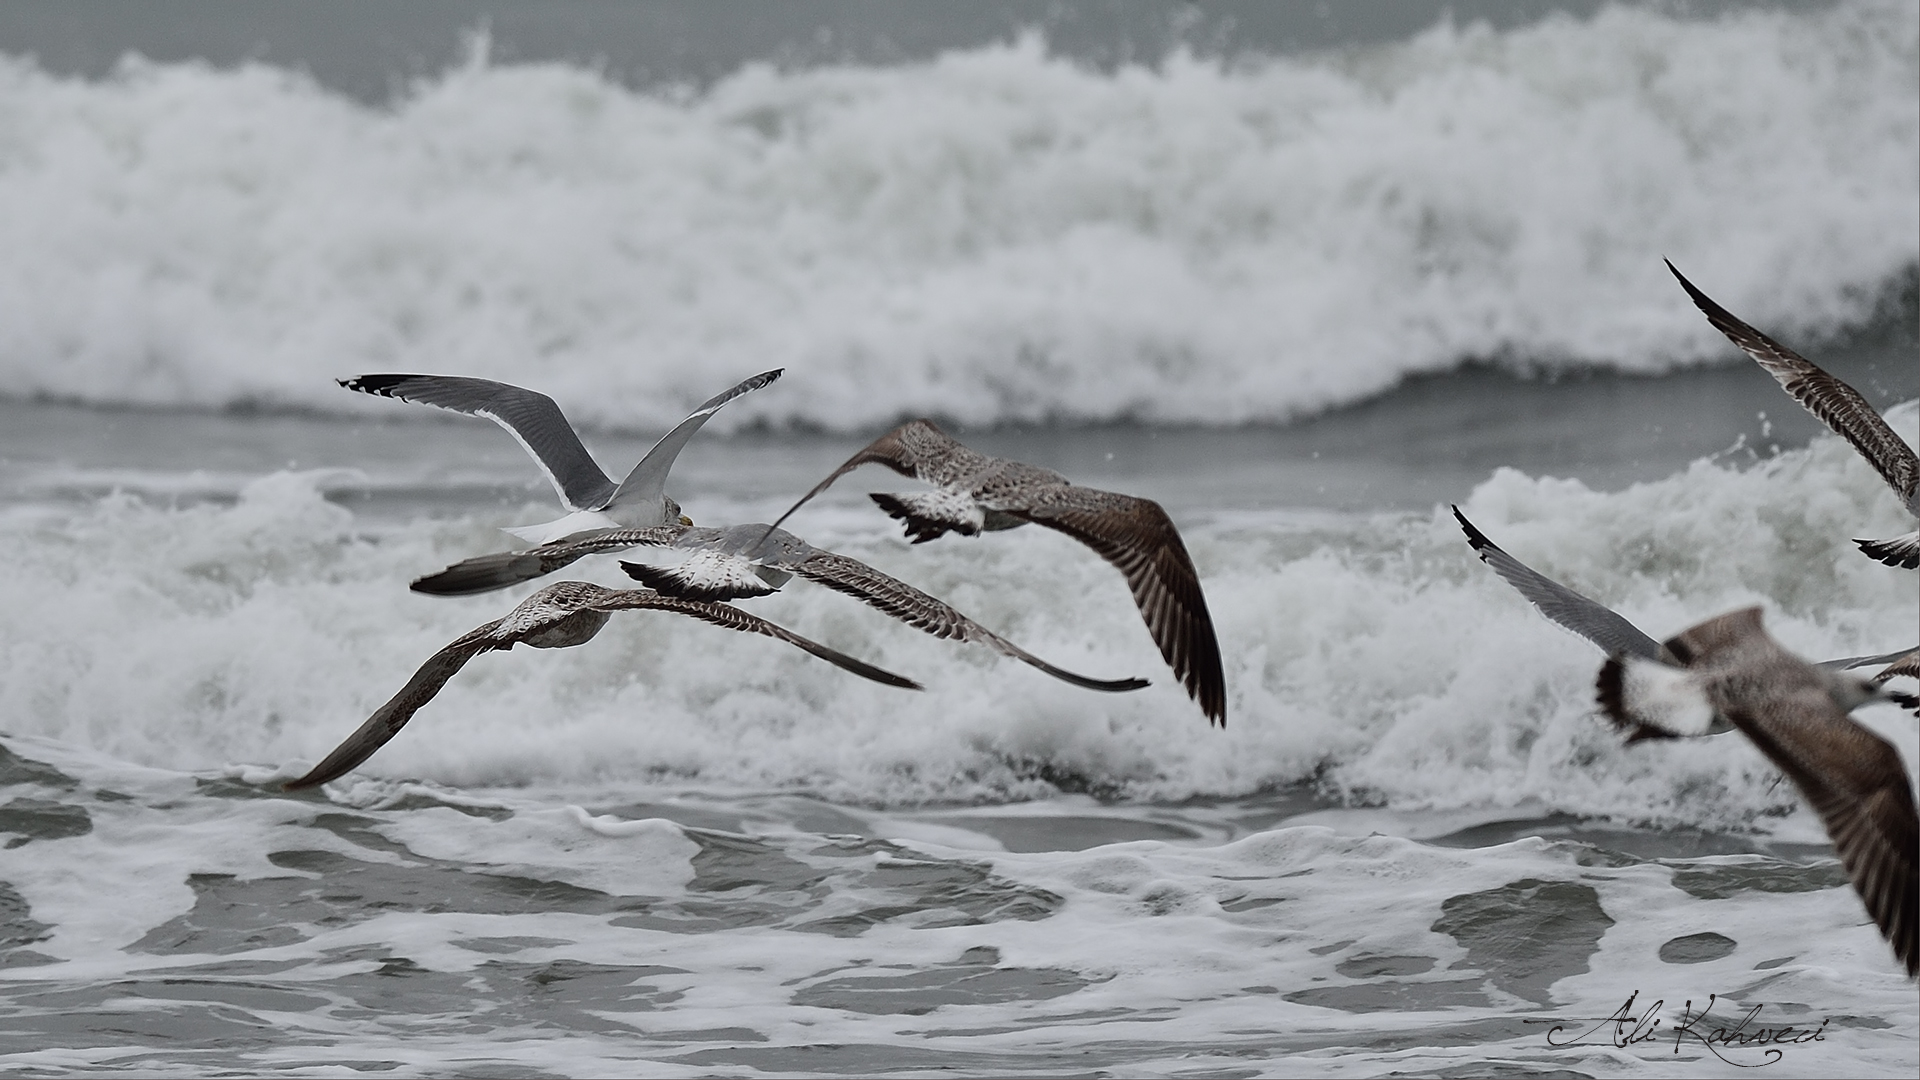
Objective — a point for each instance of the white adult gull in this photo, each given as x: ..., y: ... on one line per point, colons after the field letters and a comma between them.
x: 594, y: 500
x: 560, y: 616
x: 974, y: 492
x: 1796, y: 713
x: 1838, y: 406
x: 742, y: 561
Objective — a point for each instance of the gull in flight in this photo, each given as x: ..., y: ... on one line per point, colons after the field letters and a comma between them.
x: 560, y: 616
x: 1617, y: 637
x: 974, y: 493
x: 1838, y: 406
x: 594, y: 500
x: 745, y: 560
x: 1796, y: 713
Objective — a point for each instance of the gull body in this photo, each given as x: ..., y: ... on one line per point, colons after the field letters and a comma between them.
x: 595, y: 502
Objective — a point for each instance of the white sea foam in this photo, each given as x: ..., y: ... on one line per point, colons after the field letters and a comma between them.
x: 994, y: 234
x: 1371, y: 651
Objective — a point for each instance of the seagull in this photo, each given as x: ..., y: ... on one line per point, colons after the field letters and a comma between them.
x: 742, y: 561
x: 1796, y: 714
x: 595, y: 501
x: 560, y: 616
x: 1617, y: 637
x: 975, y: 493
x: 1841, y: 408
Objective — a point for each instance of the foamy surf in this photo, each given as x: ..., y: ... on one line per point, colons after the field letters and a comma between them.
x: 998, y: 234
x: 1371, y: 652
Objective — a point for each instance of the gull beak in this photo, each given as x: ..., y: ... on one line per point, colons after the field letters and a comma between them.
x: 685, y: 520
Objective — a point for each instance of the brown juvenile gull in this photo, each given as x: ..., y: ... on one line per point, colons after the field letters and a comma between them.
x: 1617, y: 637
x: 1841, y: 408
x: 1796, y: 714
x: 975, y: 492
x: 560, y: 616
x: 745, y: 560
x: 595, y: 500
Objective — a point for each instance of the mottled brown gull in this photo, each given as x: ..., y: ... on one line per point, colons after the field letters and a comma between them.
x: 560, y: 616
x: 1796, y: 713
x: 1618, y: 637
x: 974, y: 492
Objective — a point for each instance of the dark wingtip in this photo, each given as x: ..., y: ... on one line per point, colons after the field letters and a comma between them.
x: 381, y: 384
x: 1610, y: 695
x: 1475, y: 538
x: 1714, y: 312
x: 1891, y: 552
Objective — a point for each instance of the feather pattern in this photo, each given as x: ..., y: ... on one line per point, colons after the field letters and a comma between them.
x: 560, y: 616
x: 1796, y: 713
x: 1134, y: 535
x: 1841, y: 408
x: 771, y: 556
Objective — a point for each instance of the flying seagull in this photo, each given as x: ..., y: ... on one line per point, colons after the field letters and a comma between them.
x: 1796, y: 714
x: 560, y: 616
x: 1617, y: 637
x: 1838, y: 406
x: 595, y: 500
x: 975, y: 493
x: 745, y: 560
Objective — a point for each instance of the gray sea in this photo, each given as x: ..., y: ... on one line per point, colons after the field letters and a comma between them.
x: 1307, y: 279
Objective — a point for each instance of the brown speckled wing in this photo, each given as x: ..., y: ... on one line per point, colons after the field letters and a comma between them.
x: 1139, y: 539
x: 732, y: 618
x: 1908, y: 664
x: 1838, y: 405
x: 1854, y: 780
x: 388, y: 719
x: 923, y: 612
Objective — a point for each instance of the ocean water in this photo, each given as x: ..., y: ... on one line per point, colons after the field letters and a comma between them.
x: 1306, y: 302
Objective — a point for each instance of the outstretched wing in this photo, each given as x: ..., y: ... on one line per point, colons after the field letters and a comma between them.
x: 485, y: 573
x: 1854, y: 780
x: 388, y: 719
x: 531, y: 417
x: 1139, y: 539
x: 923, y: 612
x: 735, y: 619
x: 1593, y: 621
x: 1838, y: 405
x: 648, y: 480
x: 916, y: 448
